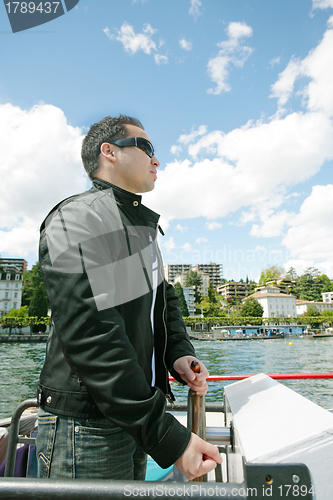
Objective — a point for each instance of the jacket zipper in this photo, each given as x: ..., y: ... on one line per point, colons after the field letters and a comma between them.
x: 170, y: 397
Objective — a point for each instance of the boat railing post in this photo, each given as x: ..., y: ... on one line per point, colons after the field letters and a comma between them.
x: 13, y: 435
x: 196, y: 415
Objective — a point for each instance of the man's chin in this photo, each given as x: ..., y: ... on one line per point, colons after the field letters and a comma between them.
x: 146, y: 189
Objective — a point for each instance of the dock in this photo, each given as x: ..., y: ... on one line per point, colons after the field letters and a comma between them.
x: 220, y: 336
x: 23, y: 338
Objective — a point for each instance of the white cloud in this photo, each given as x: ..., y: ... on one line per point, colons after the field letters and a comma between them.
x: 181, y: 228
x: 252, y: 166
x: 310, y: 236
x: 168, y: 244
x: 211, y: 226
x: 185, y: 44
x: 274, y: 61
x: 231, y: 52
x: 238, y: 30
x: 273, y: 224
x: 40, y: 165
x: 160, y: 59
x: 201, y: 240
x: 195, y: 9
x: 176, y: 150
x: 186, y: 247
x: 134, y: 42
x: 322, y: 4
x: 186, y: 139
x: 318, y: 67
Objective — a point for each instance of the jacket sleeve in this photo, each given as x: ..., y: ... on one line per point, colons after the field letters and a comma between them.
x: 178, y: 343
x: 78, y: 252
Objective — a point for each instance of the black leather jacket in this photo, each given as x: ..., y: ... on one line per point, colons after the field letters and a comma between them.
x: 97, y: 252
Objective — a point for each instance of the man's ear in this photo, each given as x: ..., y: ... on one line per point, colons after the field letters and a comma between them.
x: 107, y: 151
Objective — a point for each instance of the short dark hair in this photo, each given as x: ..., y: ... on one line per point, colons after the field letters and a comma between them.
x: 106, y: 130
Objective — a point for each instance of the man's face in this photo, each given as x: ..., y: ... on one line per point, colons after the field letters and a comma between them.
x: 136, y: 171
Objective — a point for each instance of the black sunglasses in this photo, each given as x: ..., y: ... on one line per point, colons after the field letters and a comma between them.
x: 139, y: 142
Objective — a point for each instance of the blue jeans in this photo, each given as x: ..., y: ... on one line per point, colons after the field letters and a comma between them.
x: 88, y: 449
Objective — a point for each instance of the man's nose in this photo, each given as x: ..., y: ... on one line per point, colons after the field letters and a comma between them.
x: 155, y: 161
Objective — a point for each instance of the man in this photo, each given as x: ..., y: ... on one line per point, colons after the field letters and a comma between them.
x: 116, y: 325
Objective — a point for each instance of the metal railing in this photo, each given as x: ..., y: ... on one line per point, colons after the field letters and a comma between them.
x: 275, y: 376
x: 14, y: 438
x: 48, y: 489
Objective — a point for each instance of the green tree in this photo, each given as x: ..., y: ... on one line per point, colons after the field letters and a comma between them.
x: 327, y: 314
x: 270, y: 274
x: 180, y: 294
x: 31, y: 280
x: 312, y: 311
x: 38, y: 307
x: 291, y: 274
x: 15, y: 318
x: 212, y: 294
x: 310, y: 285
x: 325, y: 282
x: 210, y: 308
x: 194, y: 279
x: 252, y: 308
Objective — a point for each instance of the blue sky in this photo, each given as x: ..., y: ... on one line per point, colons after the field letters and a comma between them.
x: 236, y: 97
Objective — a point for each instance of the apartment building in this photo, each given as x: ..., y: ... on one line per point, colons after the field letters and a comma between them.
x: 173, y: 270
x: 214, y: 271
x: 235, y: 290
x: 20, y: 264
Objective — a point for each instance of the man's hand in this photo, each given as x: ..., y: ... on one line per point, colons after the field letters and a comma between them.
x: 199, y: 458
x: 195, y: 381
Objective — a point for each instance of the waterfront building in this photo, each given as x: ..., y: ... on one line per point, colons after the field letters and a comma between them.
x: 302, y: 306
x: 233, y: 290
x: 11, y: 285
x: 327, y: 296
x: 214, y: 271
x: 275, y: 302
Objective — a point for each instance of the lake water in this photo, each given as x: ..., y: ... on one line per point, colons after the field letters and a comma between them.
x: 20, y: 365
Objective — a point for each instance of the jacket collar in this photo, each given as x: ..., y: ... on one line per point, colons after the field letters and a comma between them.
x: 128, y: 199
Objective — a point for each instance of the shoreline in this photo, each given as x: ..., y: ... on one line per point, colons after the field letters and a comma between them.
x: 22, y: 338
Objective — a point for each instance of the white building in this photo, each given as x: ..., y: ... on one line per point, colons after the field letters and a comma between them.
x: 173, y: 270
x: 327, y: 296
x: 189, y: 298
x: 275, y: 303
x: 11, y: 284
x: 302, y: 306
